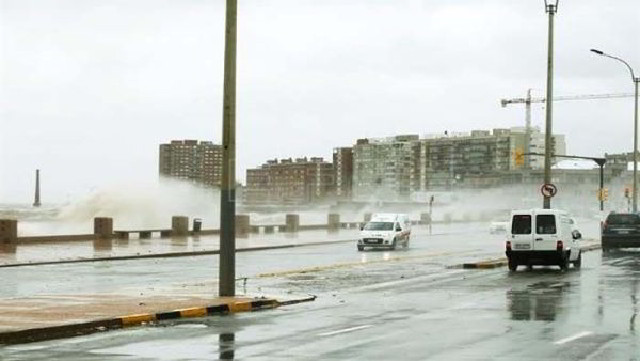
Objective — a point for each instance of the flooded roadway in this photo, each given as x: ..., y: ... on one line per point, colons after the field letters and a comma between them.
x: 371, y: 306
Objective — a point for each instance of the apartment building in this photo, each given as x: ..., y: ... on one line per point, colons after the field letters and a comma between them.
x: 289, y: 181
x: 343, y: 170
x: 192, y: 161
x: 383, y: 168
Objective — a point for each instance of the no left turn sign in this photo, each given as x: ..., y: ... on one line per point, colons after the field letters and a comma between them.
x: 549, y: 190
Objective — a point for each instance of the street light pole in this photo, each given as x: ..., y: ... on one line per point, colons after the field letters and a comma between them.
x: 551, y: 7
x: 635, y: 80
x: 227, y: 270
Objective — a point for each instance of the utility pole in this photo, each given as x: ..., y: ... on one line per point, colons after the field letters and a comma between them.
x: 36, y: 201
x: 551, y: 8
x: 227, y: 271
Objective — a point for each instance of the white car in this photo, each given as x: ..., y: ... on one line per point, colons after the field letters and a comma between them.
x: 385, y: 231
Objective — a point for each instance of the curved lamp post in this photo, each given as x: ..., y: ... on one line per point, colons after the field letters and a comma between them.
x: 635, y: 80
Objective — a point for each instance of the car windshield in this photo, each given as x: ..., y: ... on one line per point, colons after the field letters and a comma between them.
x: 622, y: 219
x: 379, y: 226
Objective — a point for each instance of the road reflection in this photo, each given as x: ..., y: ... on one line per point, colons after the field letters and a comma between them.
x: 226, y: 346
x: 538, y: 302
x: 627, y: 260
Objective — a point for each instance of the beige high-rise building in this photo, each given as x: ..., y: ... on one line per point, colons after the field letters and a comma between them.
x: 192, y: 161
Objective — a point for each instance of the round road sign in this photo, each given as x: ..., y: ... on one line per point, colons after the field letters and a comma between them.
x: 549, y: 190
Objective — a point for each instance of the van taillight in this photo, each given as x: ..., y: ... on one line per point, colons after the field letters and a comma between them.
x: 508, y: 245
x: 559, y: 246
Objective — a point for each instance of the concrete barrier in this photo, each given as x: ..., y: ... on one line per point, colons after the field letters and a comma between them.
x: 243, y: 225
x: 179, y: 226
x: 8, y: 231
x: 103, y: 227
x: 333, y: 222
x: 292, y: 223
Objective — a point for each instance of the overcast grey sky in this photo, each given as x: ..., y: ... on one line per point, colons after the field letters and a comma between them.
x: 89, y: 88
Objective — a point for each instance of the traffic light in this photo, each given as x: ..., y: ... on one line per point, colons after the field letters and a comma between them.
x: 603, y: 194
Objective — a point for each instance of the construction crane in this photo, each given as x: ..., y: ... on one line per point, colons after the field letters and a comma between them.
x: 528, y: 100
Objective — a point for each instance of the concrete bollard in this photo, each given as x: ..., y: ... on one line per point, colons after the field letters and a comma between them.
x: 103, y: 227
x: 8, y: 231
x: 179, y: 226
x: 243, y: 224
x: 333, y: 222
x: 367, y: 217
x: 292, y: 223
x: 425, y: 218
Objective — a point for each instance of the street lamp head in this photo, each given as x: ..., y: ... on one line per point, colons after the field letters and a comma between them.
x: 551, y: 6
x: 599, y: 52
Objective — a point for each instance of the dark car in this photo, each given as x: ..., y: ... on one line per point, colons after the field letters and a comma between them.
x: 621, y: 230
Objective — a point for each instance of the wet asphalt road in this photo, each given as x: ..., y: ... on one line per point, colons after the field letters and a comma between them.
x: 408, y: 309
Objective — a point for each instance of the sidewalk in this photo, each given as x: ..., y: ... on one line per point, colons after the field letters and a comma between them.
x: 50, y: 317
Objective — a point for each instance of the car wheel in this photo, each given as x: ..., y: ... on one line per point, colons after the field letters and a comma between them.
x: 513, y: 266
x: 360, y: 248
x: 578, y: 262
x: 394, y: 244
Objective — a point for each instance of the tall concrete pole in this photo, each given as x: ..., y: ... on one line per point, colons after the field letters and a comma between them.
x: 227, y: 274
x: 635, y: 147
x: 551, y: 10
x: 36, y: 201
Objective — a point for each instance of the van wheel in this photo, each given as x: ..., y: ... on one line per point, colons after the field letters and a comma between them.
x: 360, y: 248
x: 513, y: 266
x: 578, y: 262
x: 564, y: 263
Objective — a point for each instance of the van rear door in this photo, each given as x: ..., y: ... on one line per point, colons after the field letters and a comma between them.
x: 546, y: 232
x: 521, y: 234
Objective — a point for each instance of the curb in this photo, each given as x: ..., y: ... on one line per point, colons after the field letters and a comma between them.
x: 502, y: 261
x: 86, y: 328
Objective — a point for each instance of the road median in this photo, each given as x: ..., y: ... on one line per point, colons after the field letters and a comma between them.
x: 66, y: 329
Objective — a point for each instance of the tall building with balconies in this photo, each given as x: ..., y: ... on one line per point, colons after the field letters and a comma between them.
x: 343, y: 169
x: 192, y: 161
x: 384, y: 168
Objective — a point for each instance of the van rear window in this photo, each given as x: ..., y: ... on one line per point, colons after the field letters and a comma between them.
x: 521, y: 224
x: 546, y: 224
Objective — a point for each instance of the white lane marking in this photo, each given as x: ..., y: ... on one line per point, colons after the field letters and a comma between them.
x: 350, y: 329
x: 573, y: 338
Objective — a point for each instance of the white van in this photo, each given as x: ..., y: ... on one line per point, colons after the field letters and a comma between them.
x: 542, y: 237
x: 385, y: 231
